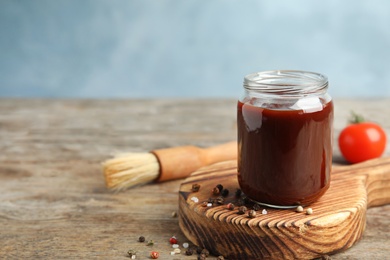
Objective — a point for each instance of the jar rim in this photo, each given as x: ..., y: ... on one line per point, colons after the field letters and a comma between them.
x: 286, y: 82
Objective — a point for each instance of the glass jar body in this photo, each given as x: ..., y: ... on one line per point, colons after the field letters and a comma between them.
x: 285, y: 132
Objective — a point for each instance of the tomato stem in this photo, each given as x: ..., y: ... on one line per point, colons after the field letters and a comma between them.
x: 356, y: 118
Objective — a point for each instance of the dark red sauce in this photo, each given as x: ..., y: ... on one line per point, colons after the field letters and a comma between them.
x: 285, y: 156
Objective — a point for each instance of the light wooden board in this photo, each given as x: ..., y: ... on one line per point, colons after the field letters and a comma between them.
x: 338, y: 221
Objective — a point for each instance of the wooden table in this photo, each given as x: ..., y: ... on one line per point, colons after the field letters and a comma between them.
x: 53, y: 200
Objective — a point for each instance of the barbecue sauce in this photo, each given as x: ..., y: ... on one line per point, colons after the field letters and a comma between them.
x: 284, y: 156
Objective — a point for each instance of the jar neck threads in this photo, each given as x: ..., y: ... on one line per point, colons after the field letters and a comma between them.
x: 286, y: 83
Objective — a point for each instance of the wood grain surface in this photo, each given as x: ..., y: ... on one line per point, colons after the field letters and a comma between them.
x: 53, y: 200
x: 337, y: 221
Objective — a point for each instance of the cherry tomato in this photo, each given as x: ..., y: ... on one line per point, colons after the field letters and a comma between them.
x: 362, y: 141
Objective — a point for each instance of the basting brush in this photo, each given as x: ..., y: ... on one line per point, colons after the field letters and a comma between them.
x: 132, y: 169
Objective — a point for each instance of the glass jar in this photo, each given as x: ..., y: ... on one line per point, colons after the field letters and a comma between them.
x: 285, y: 136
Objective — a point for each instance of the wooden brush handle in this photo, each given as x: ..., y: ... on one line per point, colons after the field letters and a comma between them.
x: 180, y: 162
x: 376, y: 176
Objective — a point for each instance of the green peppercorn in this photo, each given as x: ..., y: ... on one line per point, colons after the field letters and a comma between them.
x: 131, y: 253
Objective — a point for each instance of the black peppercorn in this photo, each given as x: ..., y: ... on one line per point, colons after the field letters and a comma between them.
x: 189, y: 251
x: 141, y: 239
x: 238, y: 193
x: 199, y: 250
x: 256, y: 207
x: 219, y: 186
x: 225, y: 192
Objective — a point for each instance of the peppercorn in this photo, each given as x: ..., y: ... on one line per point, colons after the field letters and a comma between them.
x: 238, y: 193
x: 240, y: 202
x: 252, y: 213
x: 230, y: 206
x: 202, y: 257
x: 205, y: 252
x: 173, y: 240
x: 141, y: 239
x: 256, y: 207
x: 154, y: 254
x: 299, y: 209
x: 216, y: 191
x: 189, y: 251
x: 132, y: 254
x: 195, y: 187
x: 220, y: 200
x: 204, y: 204
x: 309, y: 211
x: 199, y: 250
x: 220, y: 187
x: 242, y: 210
x: 150, y: 243
x: 225, y: 192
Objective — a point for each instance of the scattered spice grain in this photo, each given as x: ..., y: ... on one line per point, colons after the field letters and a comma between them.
x: 141, y: 239
x: 154, y: 254
x: 215, y: 191
x: 132, y: 254
x: 230, y: 206
x: 252, y: 213
x: 225, y: 192
x: 242, y: 210
x: 309, y: 211
x: 205, y: 252
x: 173, y: 240
x: 189, y: 251
x: 195, y: 187
x: 299, y: 209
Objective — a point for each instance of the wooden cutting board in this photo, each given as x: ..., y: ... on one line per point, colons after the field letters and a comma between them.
x: 337, y: 222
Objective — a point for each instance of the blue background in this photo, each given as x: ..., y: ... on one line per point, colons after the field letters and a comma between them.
x: 191, y: 48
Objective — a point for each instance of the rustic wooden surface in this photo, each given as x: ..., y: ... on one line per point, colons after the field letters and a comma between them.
x: 53, y: 200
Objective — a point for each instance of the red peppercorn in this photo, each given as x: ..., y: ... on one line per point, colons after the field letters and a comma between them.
x: 173, y: 240
x: 154, y: 254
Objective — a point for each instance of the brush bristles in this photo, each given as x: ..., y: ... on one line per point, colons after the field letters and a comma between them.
x: 130, y: 169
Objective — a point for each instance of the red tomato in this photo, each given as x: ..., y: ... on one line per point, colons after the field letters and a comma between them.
x: 362, y: 141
